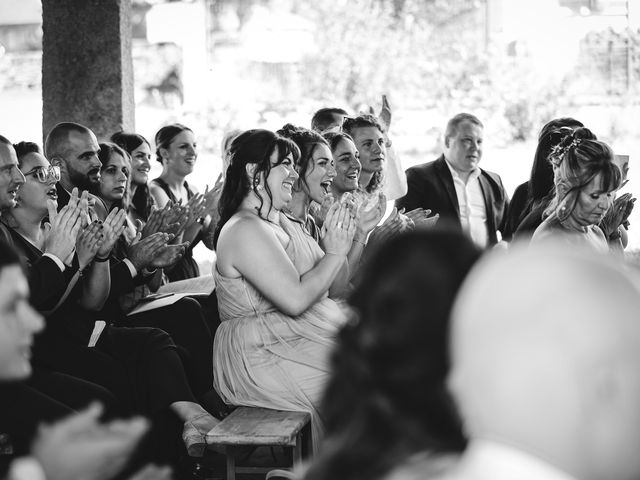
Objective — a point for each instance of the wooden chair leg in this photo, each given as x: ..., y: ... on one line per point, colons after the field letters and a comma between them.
x: 231, y: 464
x: 307, y: 441
x: 297, y: 451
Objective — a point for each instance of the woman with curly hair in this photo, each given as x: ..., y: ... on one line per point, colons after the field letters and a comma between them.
x: 585, y: 179
x: 316, y: 170
x: 387, y: 412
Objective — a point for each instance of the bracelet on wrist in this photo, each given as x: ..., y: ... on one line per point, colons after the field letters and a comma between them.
x: 100, y: 259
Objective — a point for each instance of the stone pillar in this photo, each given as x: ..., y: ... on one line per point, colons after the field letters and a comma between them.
x: 87, y: 71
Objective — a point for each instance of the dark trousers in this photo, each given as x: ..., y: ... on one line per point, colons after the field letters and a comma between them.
x: 140, y: 366
x: 185, y: 323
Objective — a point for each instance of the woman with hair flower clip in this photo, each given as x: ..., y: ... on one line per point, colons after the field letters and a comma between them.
x: 585, y: 181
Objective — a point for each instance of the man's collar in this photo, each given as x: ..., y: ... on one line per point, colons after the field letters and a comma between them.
x: 473, y: 175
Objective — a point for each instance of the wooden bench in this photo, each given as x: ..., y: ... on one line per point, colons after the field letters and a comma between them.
x: 261, y: 427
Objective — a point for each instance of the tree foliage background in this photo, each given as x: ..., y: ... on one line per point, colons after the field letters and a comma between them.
x: 428, y: 55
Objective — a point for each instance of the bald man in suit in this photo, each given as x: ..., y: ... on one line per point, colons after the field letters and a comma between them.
x: 547, y: 378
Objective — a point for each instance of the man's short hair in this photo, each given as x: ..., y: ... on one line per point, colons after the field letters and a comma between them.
x: 454, y: 123
x: 325, y: 117
x: 363, y: 120
x: 56, y: 142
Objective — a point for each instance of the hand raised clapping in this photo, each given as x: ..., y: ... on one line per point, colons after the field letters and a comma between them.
x: 421, y: 219
x: 80, y: 447
x: 338, y: 229
x: 112, y: 228
x: 89, y: 241
x: 369, y: 216
x: 154, y: 251
x: 63, y: 228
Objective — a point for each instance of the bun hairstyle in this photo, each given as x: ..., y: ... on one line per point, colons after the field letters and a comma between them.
x: 253, y: 147
x: 577, y: 160
x: 307, y: 141
x: 165, y: 136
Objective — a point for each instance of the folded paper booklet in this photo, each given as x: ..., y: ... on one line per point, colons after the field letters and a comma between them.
x: 202, y: 285
x: 157, y: 300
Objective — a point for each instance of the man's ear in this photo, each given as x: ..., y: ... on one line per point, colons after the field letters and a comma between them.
x: 446, y: 141
x: 56, y: 161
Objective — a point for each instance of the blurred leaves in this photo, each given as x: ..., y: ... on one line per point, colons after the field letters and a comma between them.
x: 428, y: 54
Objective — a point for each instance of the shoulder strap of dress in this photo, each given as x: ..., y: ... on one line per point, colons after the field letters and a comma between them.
x: 164, y: 186
x: 189, y: 191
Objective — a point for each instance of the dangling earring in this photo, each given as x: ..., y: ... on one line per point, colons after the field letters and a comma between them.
x: 257, y: 186
x: 567, y: 205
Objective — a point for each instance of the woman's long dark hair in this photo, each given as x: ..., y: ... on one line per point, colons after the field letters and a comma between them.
x: 106, y: 150
x: 541, y: 179
x: 141, y: 200
x: 250, y: 147
x: 386, y: 398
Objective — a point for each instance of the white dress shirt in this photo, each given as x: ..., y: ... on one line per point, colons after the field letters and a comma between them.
x: 487, y: 460
x: 471, y: 207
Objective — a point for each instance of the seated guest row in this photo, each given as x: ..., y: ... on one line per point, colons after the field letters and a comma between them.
x: 293, y: 218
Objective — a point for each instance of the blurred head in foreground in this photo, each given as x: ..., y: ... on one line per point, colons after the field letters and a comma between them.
x: 546, y: 363
x: 19, y: 322
x: 386, y: 399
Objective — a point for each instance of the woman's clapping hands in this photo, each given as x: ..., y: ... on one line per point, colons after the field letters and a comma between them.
x: 338, y: 229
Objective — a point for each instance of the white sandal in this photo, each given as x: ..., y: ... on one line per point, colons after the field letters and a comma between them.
x: 280, y: 473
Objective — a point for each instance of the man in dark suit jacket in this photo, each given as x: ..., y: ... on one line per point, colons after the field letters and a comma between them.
x: 465, y: 196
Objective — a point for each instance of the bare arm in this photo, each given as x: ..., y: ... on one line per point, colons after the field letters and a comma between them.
x: 97, y: 284
x: 159, y: 195
x: 251, y: 248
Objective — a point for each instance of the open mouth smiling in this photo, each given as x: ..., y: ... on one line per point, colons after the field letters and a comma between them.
x: 326, y: 186
x: 52, y: 193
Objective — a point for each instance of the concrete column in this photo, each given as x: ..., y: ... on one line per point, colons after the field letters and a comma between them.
x: 87, y: 71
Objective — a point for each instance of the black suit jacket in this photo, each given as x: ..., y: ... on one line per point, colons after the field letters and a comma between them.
x: 47, y: 283
x: 430, y: 186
